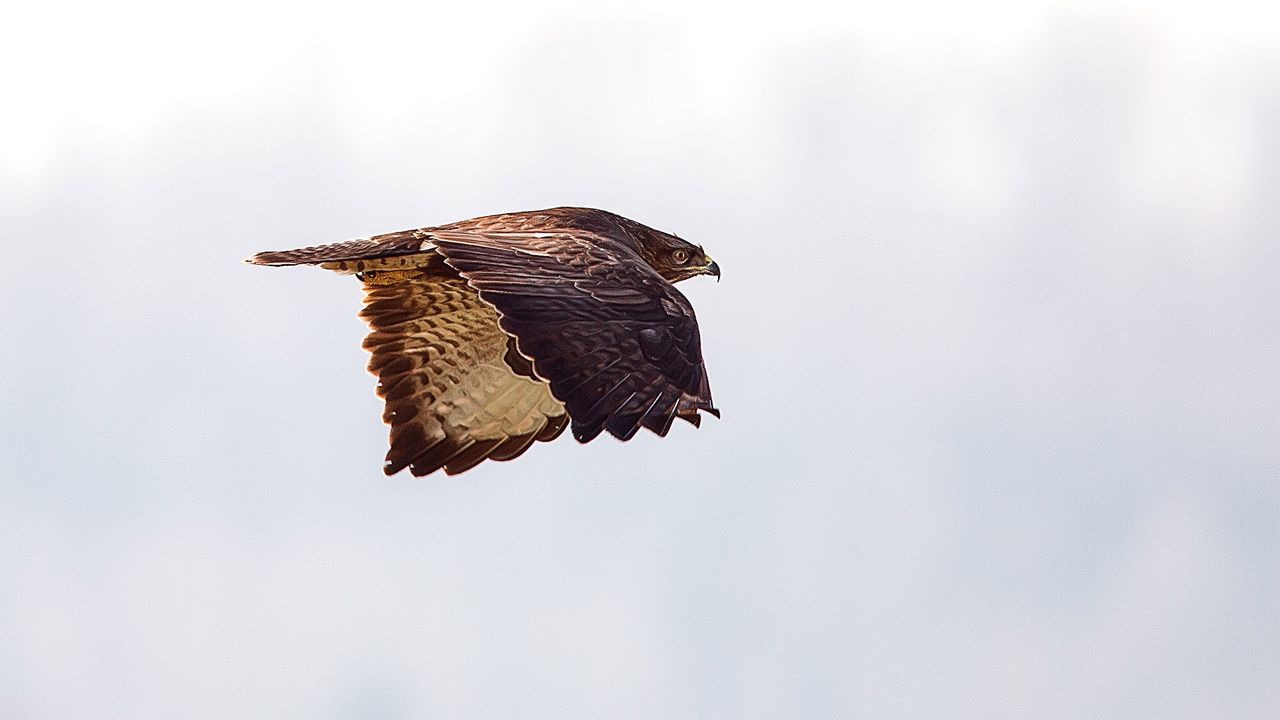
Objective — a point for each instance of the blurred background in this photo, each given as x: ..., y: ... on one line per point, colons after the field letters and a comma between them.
x: 996, y: 348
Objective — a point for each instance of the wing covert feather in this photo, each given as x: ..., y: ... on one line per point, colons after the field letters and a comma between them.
x: 618, y: 344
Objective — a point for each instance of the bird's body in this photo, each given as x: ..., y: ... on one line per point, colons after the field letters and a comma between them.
x: 490, y: 334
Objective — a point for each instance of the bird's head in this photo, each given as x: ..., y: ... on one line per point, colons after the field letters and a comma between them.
x: 676, y: 259
x: 673, y: 258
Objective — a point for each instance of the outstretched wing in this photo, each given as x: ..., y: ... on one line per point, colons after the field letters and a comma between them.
x: 618, y: 344
x: 452, y: 400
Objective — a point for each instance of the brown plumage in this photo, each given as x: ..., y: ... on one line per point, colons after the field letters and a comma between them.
x: 490, y: 334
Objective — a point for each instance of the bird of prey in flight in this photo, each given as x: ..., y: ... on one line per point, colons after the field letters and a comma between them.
x: 492, y: 333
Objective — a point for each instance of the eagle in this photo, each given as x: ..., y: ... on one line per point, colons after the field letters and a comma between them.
x: 490, y: 334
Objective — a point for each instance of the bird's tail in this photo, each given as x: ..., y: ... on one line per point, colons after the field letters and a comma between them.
x: 378, y: 246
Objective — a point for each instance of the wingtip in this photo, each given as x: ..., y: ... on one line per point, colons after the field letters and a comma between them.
x: 585, y: 433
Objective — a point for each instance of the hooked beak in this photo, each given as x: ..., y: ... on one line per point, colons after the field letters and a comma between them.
x: 712, y: 268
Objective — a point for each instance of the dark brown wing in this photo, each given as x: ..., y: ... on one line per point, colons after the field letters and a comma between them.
x: 451, y: 399
x: 617, y: 342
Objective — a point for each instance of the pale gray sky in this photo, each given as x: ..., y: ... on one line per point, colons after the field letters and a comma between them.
x: 996, y: 349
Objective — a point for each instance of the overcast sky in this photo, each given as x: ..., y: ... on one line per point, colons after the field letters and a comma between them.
x: 996, y: 347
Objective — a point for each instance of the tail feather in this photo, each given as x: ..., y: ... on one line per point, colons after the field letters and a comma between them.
x: 378, y: 246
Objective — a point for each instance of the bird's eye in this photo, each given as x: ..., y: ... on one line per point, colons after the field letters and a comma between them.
x: 680, y: 256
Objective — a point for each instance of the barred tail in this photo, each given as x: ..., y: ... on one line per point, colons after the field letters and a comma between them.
x: 378, y: 246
